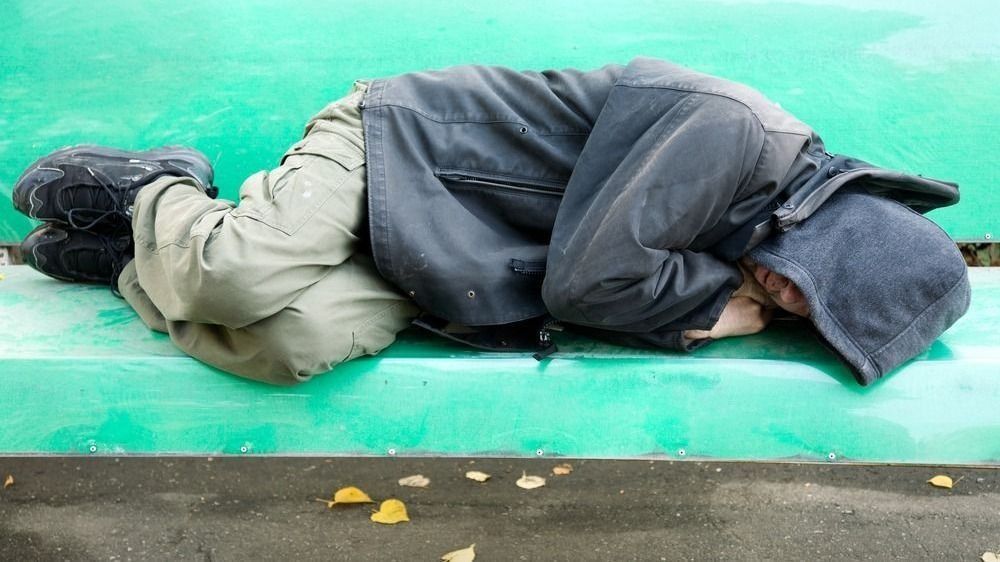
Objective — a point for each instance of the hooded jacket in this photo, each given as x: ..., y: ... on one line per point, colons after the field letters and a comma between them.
x: 616, y: 199
x: 906, y: 281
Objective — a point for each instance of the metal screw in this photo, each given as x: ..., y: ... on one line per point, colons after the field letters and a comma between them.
x: 988, y: 236
x: 471, y: 294
x: 832, y: 456
x: 244, y: 449
x: 93, y: 448
x: 682, y: 452
x: 523, y: 130
x: 413, y: 293
x: 539, y: 452
x: 392, y: 452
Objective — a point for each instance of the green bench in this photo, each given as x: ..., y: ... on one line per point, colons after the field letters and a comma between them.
x: 82, y: 375
x: 911, y: 87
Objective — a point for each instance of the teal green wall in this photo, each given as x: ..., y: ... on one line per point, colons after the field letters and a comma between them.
x: 908, y: 84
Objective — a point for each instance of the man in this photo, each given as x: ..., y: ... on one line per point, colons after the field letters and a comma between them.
x: 647, y: 204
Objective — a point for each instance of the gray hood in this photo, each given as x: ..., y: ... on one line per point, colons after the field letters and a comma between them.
x: 882, y: 281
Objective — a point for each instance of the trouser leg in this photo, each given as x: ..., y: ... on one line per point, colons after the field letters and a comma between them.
x: 351, y: 312
x: 211, y: 261
x: 204, y: 269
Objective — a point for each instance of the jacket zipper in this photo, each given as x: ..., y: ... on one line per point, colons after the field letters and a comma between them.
x: 797, y: 209
x: 540, y: 187
x: 546, y: 346
x: 529, y: 268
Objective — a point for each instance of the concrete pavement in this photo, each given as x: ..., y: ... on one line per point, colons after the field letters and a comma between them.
x: 263, y: 509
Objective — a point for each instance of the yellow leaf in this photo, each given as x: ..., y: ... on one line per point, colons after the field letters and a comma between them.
x: 347, y: 495
x: 477, y: 476
x: 990, y: 557
x: 415, y: 481
x: 8, y: 482
x: 462, y: 555
x: 562, y: 469
x: 2, y: 277
x: 530, y: 482
x: 390, y: 513
x: 941, y: 481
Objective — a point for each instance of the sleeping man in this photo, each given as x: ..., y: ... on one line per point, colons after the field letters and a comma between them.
x: 646, y: 204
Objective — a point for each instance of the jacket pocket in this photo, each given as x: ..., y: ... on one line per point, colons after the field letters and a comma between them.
x: 501, y: 182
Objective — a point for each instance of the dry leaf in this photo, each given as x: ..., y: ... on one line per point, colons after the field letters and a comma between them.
x: 990, y: 557
x: 347, y: 495
x: 351, y: 494
x: 415, y: 481
x: 477, y: 476
x: 2, y: 277
x: 941, y: 481
x: 462, y: 555
x: 390, y: 513
x: 562, y: 469
x: 8, y: 482
x: 530, y: 482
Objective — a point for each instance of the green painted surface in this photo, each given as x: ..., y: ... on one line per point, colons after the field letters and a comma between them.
x: 908, y: 84
x: 79, y: 371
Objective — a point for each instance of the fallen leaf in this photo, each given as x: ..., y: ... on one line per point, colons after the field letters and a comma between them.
x: 9, y: 481
x: 941, y: 481
x: 351, y: 494
x: 990, y: 557
x: 562, y: 469
x: 462, y: 555
x: 2, y: 277
x: 530, y: 482
x: 347, y: 495
x: 415, y: 481
x: 477, y: 476
x: 390, y: 513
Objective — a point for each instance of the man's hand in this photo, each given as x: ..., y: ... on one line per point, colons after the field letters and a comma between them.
x: 752, y: 288
x: 741, y: 317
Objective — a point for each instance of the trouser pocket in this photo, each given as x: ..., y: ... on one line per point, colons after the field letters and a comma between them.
x: 312, y: 171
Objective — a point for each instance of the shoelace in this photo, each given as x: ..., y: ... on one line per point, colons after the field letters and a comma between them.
x: 117, y: 197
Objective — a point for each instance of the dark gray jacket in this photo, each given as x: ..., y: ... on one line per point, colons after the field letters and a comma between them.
x: 647, y: 180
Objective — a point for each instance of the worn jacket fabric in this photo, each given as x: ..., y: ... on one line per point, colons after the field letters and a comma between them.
x: 647, y: 181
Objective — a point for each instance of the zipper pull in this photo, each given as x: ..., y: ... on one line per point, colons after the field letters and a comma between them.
x: 545, y: 343
x: 548, y: 347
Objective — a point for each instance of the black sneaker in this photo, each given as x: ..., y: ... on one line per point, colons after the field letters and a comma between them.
x: 93, y: 187
x: 77, y: 255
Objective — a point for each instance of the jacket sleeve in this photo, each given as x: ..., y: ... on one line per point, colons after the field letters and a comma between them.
x: 620, y: 258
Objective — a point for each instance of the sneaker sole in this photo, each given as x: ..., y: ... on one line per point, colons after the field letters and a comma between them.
x: 35, y: 241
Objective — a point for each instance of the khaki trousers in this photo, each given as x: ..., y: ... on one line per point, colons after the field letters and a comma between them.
x: 274, y: 288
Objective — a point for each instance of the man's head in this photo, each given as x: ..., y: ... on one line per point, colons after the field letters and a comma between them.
x: 777, y: 290
x: 879, y: 281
